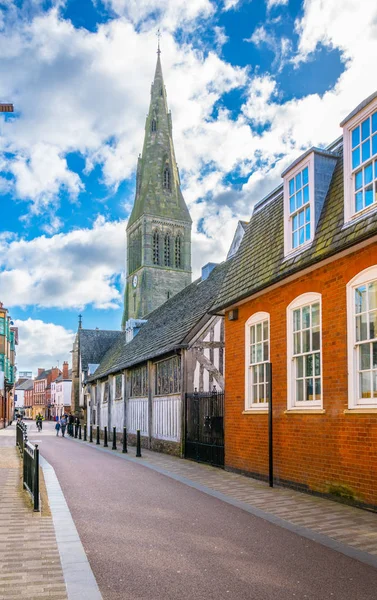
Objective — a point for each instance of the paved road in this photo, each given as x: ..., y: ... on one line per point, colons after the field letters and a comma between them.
x: 150, y: 537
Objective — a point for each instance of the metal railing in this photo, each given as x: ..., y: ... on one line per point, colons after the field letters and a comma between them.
x: 30, y: 456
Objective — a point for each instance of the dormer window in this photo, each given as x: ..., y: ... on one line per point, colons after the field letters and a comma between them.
x: 299, y: 208
x: 360, y: 159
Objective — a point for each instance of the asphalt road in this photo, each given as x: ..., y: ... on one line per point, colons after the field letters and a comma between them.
x: 150, y: 537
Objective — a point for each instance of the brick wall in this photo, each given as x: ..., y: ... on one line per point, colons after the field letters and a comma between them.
x: 331, y: 453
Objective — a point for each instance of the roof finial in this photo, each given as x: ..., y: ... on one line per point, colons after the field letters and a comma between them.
x: 80, y: 321
x: 158, y: 44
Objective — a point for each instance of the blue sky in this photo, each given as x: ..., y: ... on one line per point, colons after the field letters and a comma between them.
x: 251, y: 84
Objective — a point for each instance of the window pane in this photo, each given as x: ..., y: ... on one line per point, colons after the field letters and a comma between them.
x: 255, y: 393
x: 316, y: 339
x: 305, y: 176
x: 309, y: 389
x: 259, y: 332
x: 374, y: 145
x: 291, y: 187
x: 307, y: 214
x: 307, y: 232
x: 252, y: 334
x: 300, y: 366
x: 301, y: 236
x: 374, y: 122
x: 317, y: 389
x: 299, y: 199
x: 300, y: 390
x: 306, y: 191
x: 298, y: 181
x: 364, y: 357
x: 355, y: 157
x: 359, y: 201
x: 317, y: 364
x: 292, y: 206
x: 261, y: 373
x: 356, y: 137
x: 306, y: 340
x: 365, y: 150
x: 368, y: 174
x: 296, y: 343
x: 365, y: 381
x: 295, y: 222
x: 373, y: 325
x: 252, y: 355
x: 254, y: 372
x: 365, y: 129
x: 295, y: 240
x: 315, y: 315
x: 369, y: 195
x: 261, y: 393
x: 259, y: 352
x: 265, y: 330
x: 306, y: 317
x: 265, y: 351
x: 374, y: 355
x: 374, y: 376
x: 361, y: 328
x: 361, y: 299
x: 309, y: 365
x: 296, y: 320
x: 301, y: 218
x: 358, y: 180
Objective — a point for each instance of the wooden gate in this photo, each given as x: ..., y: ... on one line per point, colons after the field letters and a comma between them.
x: 205, y: 427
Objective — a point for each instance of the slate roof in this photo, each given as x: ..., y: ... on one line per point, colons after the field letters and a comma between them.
x: 25, y: 385
x: 168, y: 327
x: 260, y: 260
x: 94, y: 343
x: 43, y: 375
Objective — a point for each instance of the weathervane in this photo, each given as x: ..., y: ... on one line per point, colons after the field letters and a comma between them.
x: 159, y: 37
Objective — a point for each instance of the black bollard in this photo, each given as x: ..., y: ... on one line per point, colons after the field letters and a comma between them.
x: 105, y: 437
x: 124, y: 450
x: 76, y: 430
x: 79, y: 432
x: 97, y: 442
x: 91, y: 434
x: 114, y: 438
x: 138, y: 444
x: 85, y: 427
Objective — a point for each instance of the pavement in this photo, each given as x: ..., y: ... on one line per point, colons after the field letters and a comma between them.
x: 30, y: 565
x: 165, y: 528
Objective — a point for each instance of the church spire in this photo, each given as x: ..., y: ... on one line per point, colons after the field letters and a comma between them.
x: 158, y: 190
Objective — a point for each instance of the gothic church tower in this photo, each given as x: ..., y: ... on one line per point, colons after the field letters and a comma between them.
x: 159, y: 228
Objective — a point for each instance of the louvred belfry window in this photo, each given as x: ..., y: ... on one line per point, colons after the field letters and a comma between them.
x: 167, y: 250
x: 156, y: 248
x: 178, y: 252
x: 167, y: 178
x: 154, y: 125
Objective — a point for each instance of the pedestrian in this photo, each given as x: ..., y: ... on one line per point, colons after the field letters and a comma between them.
x: 63, y: 425
x: 77, y: 425
x: 38, y: 421
x: 57, y: 427
x: 70, y: 425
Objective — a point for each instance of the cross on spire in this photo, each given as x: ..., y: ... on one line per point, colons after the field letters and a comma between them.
x: 158, y: 43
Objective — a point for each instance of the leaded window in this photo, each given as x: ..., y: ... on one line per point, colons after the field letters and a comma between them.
x: 366, y: 341
x: 307, y: 354
x: 258, y: 357
x: 168, y: 376
x: 118, y: 387
x: 167, y: 250
x: 178, y: 252
x: 156, y: 248
x: 299, y: 208
x: 106, y: 392
x: 364, y: 162
x: 139, y: 382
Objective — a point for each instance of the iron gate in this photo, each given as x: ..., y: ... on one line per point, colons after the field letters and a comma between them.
x: 205, y: 427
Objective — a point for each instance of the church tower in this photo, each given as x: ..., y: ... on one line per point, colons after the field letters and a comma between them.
x: 159, y: 228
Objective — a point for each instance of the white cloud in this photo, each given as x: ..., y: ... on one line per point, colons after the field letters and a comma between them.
x: 42, y: 345
x: 273, y: 3
x: 280, y: 46
x: 66, y: 270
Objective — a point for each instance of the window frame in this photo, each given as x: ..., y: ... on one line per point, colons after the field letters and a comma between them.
x: 362, y: 278
x: 256, y: 318
x: 292, y: 404
x: 308, y: 162
x: 348, y: 176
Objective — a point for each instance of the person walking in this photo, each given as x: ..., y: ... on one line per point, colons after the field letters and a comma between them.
x: 57, y: 427
x: 70, y: 425
x: 38, y: 421
x: 63, y: 425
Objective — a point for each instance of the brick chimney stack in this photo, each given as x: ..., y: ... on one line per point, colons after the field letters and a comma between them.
x: 40, y: 371
x: 55, y: 372
x: 65, y: 370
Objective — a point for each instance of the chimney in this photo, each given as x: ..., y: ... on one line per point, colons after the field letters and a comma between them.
x: 55, y: 372
x: 40, y: 371
x: 65, y: 370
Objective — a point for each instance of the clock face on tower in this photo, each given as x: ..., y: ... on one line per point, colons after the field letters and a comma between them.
x: 134, y: 281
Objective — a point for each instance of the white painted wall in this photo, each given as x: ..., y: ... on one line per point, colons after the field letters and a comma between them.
x: 167, y: 418
x: 137, y: 415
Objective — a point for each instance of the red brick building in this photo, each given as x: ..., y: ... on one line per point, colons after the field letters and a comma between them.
x: 301, y: 294
x: 42, y: 391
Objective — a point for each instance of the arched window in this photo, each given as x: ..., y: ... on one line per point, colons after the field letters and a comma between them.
x: 178, y: 255
x: 154, y: 125
x: 167, y: 250
x: 156, y: 248
x: 167, y: 178
x: 257, y: 356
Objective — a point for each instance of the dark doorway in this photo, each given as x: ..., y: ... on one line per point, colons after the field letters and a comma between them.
x: 205, y: 427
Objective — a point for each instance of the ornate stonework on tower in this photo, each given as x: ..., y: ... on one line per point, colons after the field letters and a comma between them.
x: 159, y: 228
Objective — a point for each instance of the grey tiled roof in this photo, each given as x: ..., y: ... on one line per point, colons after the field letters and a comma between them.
x: 43, y: 375
x: 260, y: 260
x: 94, y: 343
x: 168, y: 327
x: 26, y: 385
